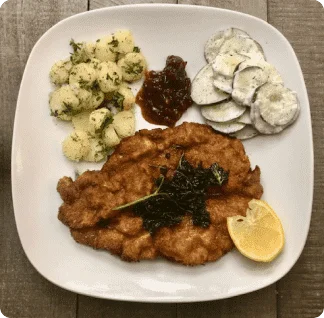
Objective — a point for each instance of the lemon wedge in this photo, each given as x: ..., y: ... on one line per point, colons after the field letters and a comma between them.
x: 258, y: 236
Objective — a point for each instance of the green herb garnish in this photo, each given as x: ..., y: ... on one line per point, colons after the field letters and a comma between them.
x: 117, y: 81
x: 75, y: 46
x: 185, y: 193
x: 78, y: 54
x: 113, y: 42
x: 84, y: 84
x: 107, y: 122
x: 136, y: 49
x: 69, y: 110
x: 118, y: 100
x: 135, y: 68
x: 95, y: 85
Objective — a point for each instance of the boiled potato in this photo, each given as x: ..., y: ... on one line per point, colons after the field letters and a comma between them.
x: 98, y: 118
x: 96, y: 99
x: 94, y: 63
x: 64, y: 103
x: 110, y: 136
x: 78, y: 55
x: 87, y: 79
x: 82, y: 52
x: 89, y: 50
x: 60, y: 72
x: 84, y: 74
x: 76, y: 146
x: 133, y: 66
x: 125, y: 41
x: 109, y: 76
x: 124, y: 123
x: 98, y: 150
x: 107, y: 49
x: 81, y: 121
x: 83, y: 95
x: 128, y: 96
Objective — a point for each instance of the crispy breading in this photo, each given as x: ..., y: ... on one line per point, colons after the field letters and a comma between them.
x: 129, y: 174
x: 193, y: 245
x: 123, y: 236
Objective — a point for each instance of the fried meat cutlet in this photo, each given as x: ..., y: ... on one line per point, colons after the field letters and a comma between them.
x: 124, y: 236
x: 129, y: 174
x: 193, y: 245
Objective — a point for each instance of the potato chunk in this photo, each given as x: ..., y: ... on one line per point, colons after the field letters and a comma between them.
x: 133, y: 66
x: 110, y: 137
x: 84, y: 74
x: 125, y: 41
x: 98, y: 150
x: 81, y: 121
x: 124, y: 124
x: 107, y: 49
x: 76, y: 146
x: 109, y: 77
x: 128, y: 98
x: 60, y: 72
x: 98, y: 119
x: 64, y: 103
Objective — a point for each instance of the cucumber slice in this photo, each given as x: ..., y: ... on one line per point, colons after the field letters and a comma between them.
x: 246, y: 133
x: 227, y: 127
x: 214, y: 43
x: 242, y: 45
x: 245, y: 118
x: 224, y: 67
x: 226, y: 64
x: 223, y: 83
x: 273, y: 74
x: 246, y: 82
x: 203, y: 91
x: 277, y: 104
x: 223, y: 112
x: 262, y: 126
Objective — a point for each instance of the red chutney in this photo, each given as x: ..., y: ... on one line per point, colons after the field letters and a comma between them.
x: 165, y: 95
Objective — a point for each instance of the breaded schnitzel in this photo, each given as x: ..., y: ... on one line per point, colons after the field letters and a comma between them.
x: 129, y: 174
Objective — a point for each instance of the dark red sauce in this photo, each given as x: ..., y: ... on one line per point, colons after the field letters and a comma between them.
x: 165, y: 95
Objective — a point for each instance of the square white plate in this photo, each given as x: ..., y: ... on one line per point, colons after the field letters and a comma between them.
x: 286, y: 161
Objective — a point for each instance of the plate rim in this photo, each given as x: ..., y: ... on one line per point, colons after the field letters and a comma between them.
x: 165, y: 298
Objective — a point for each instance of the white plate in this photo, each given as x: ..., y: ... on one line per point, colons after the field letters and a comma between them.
x: 286, y: 161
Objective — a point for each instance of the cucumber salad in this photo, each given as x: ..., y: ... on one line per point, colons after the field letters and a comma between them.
x: 239, y: 92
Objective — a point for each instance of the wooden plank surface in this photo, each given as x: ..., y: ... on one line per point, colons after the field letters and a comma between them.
x: 260, y: 304
x: 257, y: 8
x: 23, y: 292
x: 301, y: 292
x: 96, y: 4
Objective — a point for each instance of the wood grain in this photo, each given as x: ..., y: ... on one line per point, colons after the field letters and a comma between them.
x: 97, y: 308
x: 23, y: 292
x: 96, y: 4
x: 257, y: 8
x: 301, y: 292
x: 259, y: 304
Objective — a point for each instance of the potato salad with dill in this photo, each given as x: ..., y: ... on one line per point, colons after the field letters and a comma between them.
x: 92, y: 91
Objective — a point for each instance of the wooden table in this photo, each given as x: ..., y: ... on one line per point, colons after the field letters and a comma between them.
x: 25, y: 294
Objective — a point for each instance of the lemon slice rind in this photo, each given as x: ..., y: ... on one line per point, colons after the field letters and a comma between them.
x: 259, y: 235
